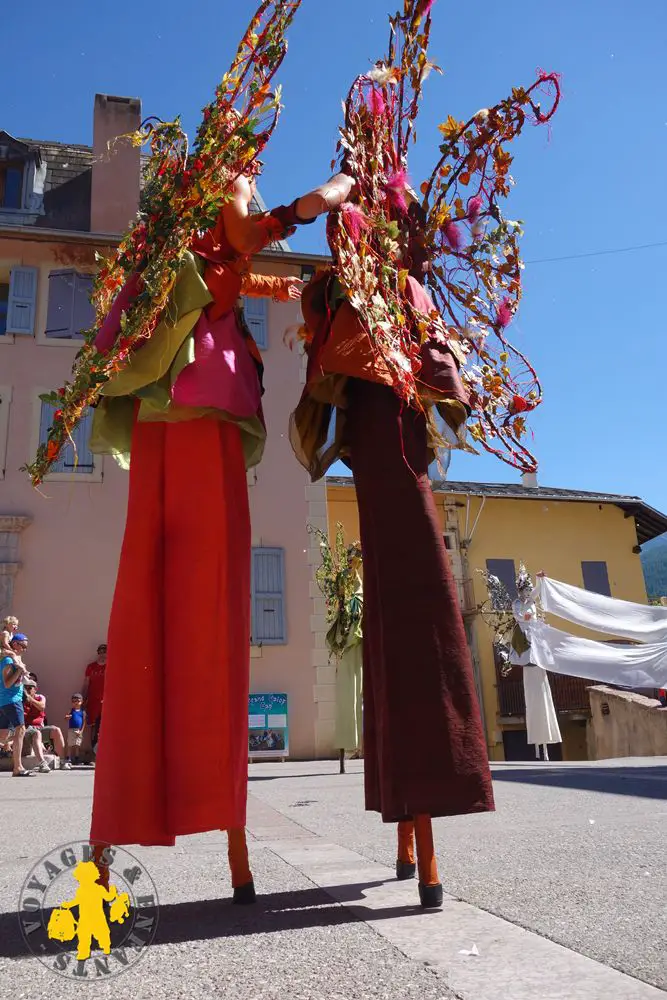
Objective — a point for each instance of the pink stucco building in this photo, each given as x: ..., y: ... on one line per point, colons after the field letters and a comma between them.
x: 59, y: 547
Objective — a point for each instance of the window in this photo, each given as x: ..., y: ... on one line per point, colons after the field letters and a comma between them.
x: 5, y: 402
x: 506, y: 573
x: 268, y: 597
x: 75, y: 459
x: 256, y: 316
x: 596, y: 578
x: 20, y: 302
x: 70, y: 311
x: 4, y: 303
x: 11, y: 184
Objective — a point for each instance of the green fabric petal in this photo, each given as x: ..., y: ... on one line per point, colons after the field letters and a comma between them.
x: 152, y: 372
x: 153, y: 360
x: 111, y: 433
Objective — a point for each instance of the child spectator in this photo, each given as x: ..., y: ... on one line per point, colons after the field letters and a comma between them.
x: 77, y: 725
x: 9, y: 626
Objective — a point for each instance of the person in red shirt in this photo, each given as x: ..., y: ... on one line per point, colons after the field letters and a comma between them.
x: 93, y: 691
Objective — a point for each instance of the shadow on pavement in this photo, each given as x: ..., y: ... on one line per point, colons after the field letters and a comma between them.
x: 641, y: 782
x: 219, y: 918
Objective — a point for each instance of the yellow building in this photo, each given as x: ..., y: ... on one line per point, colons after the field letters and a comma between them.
x: 586, y: 539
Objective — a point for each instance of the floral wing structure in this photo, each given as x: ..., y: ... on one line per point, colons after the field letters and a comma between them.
x: 184, y: 190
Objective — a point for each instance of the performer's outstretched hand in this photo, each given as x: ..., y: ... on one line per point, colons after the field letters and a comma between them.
x: 294, y: 288
x: 325, y: 198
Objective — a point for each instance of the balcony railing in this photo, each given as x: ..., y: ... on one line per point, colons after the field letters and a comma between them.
x: 570, y: 694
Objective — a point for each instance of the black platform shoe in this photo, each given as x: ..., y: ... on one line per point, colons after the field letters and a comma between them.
x: 245, y: 894
x: 405, y: 870
x: 430, y: 896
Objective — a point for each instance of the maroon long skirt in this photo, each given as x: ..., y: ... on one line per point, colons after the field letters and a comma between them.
x: 424, y: 745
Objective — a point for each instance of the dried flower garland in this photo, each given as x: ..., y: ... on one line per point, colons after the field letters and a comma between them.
x: 337, y: 578
x: 182, y: 195
x: 469, y: 250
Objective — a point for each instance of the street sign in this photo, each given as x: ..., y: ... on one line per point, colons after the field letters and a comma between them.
x: 268, y: 733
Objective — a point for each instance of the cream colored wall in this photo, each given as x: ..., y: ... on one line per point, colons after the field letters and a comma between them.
x: 551, y: 536
x: 279, y: 510
x: 70, y: 551
x: 634, y: 726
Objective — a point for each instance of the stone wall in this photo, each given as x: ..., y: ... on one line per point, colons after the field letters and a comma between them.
x: 625, y: 725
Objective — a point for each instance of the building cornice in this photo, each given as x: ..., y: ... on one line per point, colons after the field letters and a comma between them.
x: 39, y: 234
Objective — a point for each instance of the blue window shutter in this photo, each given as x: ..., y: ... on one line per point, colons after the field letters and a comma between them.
x: 4, y: 307
x: 60, y: 314
x: 256, y: 313
x: 596, y: 578
x: 13, y: 187
x: 81, y: 461
x: 21, y: 302
x: 268, y: 597
x: 506, y: 573
x: 84, y: 314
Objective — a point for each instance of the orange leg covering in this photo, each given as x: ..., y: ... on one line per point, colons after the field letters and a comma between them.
x: 426, y: 863
x: 406, y: 842
x: 238, y: 858
x: 103, y: 868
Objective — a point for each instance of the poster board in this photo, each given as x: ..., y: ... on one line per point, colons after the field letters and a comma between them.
x: 268, y: 730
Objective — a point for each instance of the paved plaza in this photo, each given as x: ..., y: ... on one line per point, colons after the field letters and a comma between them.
x: 559, y: 895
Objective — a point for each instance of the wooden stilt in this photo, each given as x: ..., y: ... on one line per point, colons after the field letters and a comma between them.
x: 405, y: 858
x: 430, y: 889
x: 99, y: 858
x: 242, y: 881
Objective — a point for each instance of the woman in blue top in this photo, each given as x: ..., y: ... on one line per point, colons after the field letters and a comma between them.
x: 14, y: 673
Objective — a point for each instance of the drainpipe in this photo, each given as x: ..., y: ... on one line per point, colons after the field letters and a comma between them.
x: 465, y: 566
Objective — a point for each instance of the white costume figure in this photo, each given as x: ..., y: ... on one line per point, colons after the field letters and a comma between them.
x: 541, y: 719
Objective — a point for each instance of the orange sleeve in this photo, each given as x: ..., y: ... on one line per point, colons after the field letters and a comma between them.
x: 265, y: 286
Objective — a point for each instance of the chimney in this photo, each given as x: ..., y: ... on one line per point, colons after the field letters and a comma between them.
x: 529, y: 479
x: 116, y: 171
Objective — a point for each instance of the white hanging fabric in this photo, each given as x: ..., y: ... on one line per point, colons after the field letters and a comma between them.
x: 639, y: 622
x: 607, y: 663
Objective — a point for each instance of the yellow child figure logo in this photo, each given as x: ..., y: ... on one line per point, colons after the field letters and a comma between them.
x: 92, y: 923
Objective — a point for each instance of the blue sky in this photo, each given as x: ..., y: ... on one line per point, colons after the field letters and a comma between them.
x: 594, y: 327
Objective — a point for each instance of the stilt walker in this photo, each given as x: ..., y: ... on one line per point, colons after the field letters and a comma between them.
x: 542, y: 727
x: 175, y: 377
x: 381, y: 354
x: 340, y: 582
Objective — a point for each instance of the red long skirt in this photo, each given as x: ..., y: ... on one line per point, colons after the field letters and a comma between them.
x: 424, y: 744
x: 179, y: 642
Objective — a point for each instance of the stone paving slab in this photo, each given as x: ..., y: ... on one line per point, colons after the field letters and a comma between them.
x: 512, y: 962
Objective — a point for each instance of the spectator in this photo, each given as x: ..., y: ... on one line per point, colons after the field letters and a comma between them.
x: 93, y: 692
x: 34, y: 707
x: 9, y: 626
x: 76, y: 728
x: 13, y: 673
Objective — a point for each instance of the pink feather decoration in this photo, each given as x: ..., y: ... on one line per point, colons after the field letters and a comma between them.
x: 427, y: 8
x: 504, y: 313
x: 474, y: 208
x: 378, y: 105
x: 395, y: 188
x: 452, y: 235
x: 355, y: 221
